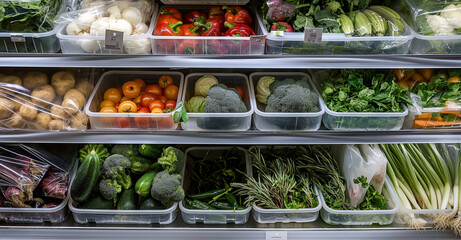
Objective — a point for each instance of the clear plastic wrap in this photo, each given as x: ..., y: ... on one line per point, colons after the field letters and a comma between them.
x: 279, y: 10
x: 86, y: 27
x: 55, y: 184
x: 44, y: 100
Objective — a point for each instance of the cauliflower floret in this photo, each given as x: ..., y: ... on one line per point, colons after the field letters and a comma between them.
x: 138, y: 46
x: 452, y: 14
x: 440, y: 25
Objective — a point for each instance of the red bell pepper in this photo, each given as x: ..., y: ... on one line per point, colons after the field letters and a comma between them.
x: 239, y: 30
x: 215, y: 46
x: 171, y: 28
x: 239, y: 46
x: 216, y: 11
x: 237, y: 15
x: 212, y: 27
x: 172, y: 12
x: 195, y: 16
x: 190, y: 30
x: 189, y: 46
x: 281, y: 26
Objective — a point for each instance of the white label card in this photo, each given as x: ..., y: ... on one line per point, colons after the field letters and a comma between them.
x: 17, y: 37
x: 114, y: 39
x: 276, y: 235
x: 313, y: 35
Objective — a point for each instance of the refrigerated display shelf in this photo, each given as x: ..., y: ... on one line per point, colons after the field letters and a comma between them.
x: 234, y: 62
x: 180, y: 230
x: 251, y: 137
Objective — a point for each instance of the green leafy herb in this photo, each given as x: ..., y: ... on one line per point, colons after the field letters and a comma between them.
x: 439, y: 90
x: 373, y: 199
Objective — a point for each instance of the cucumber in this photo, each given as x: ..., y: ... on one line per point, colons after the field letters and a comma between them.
x: 127, y: 200
x: 86, y: 178
x: 97, y: 202
x: 151, y: 204
x: 150, y: 150
x: 139, y: 164
x: 144, y: 184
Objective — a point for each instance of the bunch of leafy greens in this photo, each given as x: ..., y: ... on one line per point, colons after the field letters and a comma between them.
x: 324, y: 172
x: 364, y: 91
x: 439, y: 90
x: 28, y: 16
x: 278, y: 182
x: 319, y: 13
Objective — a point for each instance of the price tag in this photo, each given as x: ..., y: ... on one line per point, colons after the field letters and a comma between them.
x: 276, y: 235
x: 114, y: 39
x: 258, y: 39
x: 313, y: 35
x: 17, y: 37
x: 278, y: 33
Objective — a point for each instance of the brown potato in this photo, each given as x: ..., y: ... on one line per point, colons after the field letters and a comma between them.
x: 16, y: 121
x: 85, y: 87
x: 43, y: 95
x: 13, y: 79
x: 58, y: 112
x: 62, y: 82
x: 56, y: 124
x: 43, y: 120
x: 79, y: 121
x: 70, y: 106
x: 28, y: 111
x: 6, y: 108
x: 35, y: 79
x: 76, y: 96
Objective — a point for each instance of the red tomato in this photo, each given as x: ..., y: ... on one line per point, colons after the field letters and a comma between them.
x: 143, y: 110
x: 170, y: 105
x: 116, y: 106
x: 157, y: 110
x: 241, y: 91
x: 142, y: 122
x: 123, y: 122
x: 154, y: 89
x: 171, y: 92
x: 141, y: 83
x: 147, y: 98
x: 138, y: 106
x: 162, y: 98
x: 156, y: 104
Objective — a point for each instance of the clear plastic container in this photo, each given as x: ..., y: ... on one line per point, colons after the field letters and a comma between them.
x: 352, y: 121
x: 423, y: 44
x: 150, y: 121
x: 79, y: 44
x: 452, y: 118
x: 337, y: 43
x: 363, y: 217
x: 39, y: 215
x: 219, y: 121
x: 166, y: 45
x: 265, y: 121
x: 192, y: 216
x: 205, y: 2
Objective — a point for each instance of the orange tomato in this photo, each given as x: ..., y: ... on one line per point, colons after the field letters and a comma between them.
x: 125, y: 99
x: 241, y: 91
x: 120, y: 90
x: 170, y: 105
x: 147, y: 98
x: 141, y: 83
x: 127, y: 107
x: 162, y: 98
x: 171, y: 92
x: 123, y: 122
x: 143, y: 110
x: 108, y: 110
x: 156, y: 104
x: 157, y: 110
x: 137, y: 100
x: 131, y: 89
x: 154, y: 89
x: 113, y: 95
x: 106, y: 103
x: 165, y: 81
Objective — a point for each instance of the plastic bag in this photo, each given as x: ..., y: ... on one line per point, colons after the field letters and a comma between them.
x: 132, y: 17
x: 44, y: 100
x: 436, y: 17
x: 373, y: 155
x: 279, y: 11
x: 55, y: 184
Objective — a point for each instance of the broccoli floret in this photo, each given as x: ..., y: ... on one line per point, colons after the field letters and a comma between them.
x: 223, y: 100
x: 172, y: 160
x: 288, y: 81
x: 109, y: 188
x: 166, y: 188
x: 127, y: 150
x: 292, y: 98
x: 116, y: 167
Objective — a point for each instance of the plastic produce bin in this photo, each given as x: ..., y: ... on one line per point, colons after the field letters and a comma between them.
x: 447, y: 116
x: 363, y: 217
x: 265, y: 121
x: 337, y: 43
x: 78, y: 44
x: 166, y: 45
x: 39, y: 215
x: 205, y: 2
x: 115, y: 79
x: 449, y: 44
x: 193, y: 216
x: 353, y: 121
x: 219, y: 121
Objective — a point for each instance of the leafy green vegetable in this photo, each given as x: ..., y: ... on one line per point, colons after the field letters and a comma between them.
x: 364, y: 91
x: 438, y: 91
x: 31, y: 16
x: 373, y: 199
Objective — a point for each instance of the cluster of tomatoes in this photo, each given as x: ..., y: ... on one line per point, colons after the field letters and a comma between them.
x: 137, y: 97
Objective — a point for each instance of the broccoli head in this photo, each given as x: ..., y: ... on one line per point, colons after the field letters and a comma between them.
x: 127, y: 150
x: 172, y: 160
x: 223, y: 100
x: 167, y: 189
x: 116, y: 167
x: 292, y: 98
x: 109, y: 188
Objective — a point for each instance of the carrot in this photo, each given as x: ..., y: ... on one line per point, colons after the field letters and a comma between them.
x: 426, y: 74
x: 408, y: 76
x: 399, y: 73
x: 454, y: 79
x: 456, y: 113
x: 425, y: 123
x: 423, y: 116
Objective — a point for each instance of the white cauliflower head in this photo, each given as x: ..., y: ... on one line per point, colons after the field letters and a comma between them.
x: 452, y: 14
x: 440, y: 25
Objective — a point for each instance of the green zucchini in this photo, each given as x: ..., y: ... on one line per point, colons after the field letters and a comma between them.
x: 151, y: 204
x: 127, y: 200
x: 86, y: 178
x: 144, y: 183
x: 150, y: 150
x: 139, y: 164
x: 97, y: 202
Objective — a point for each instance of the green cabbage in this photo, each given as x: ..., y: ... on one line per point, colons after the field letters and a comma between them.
x: 204, y: 84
